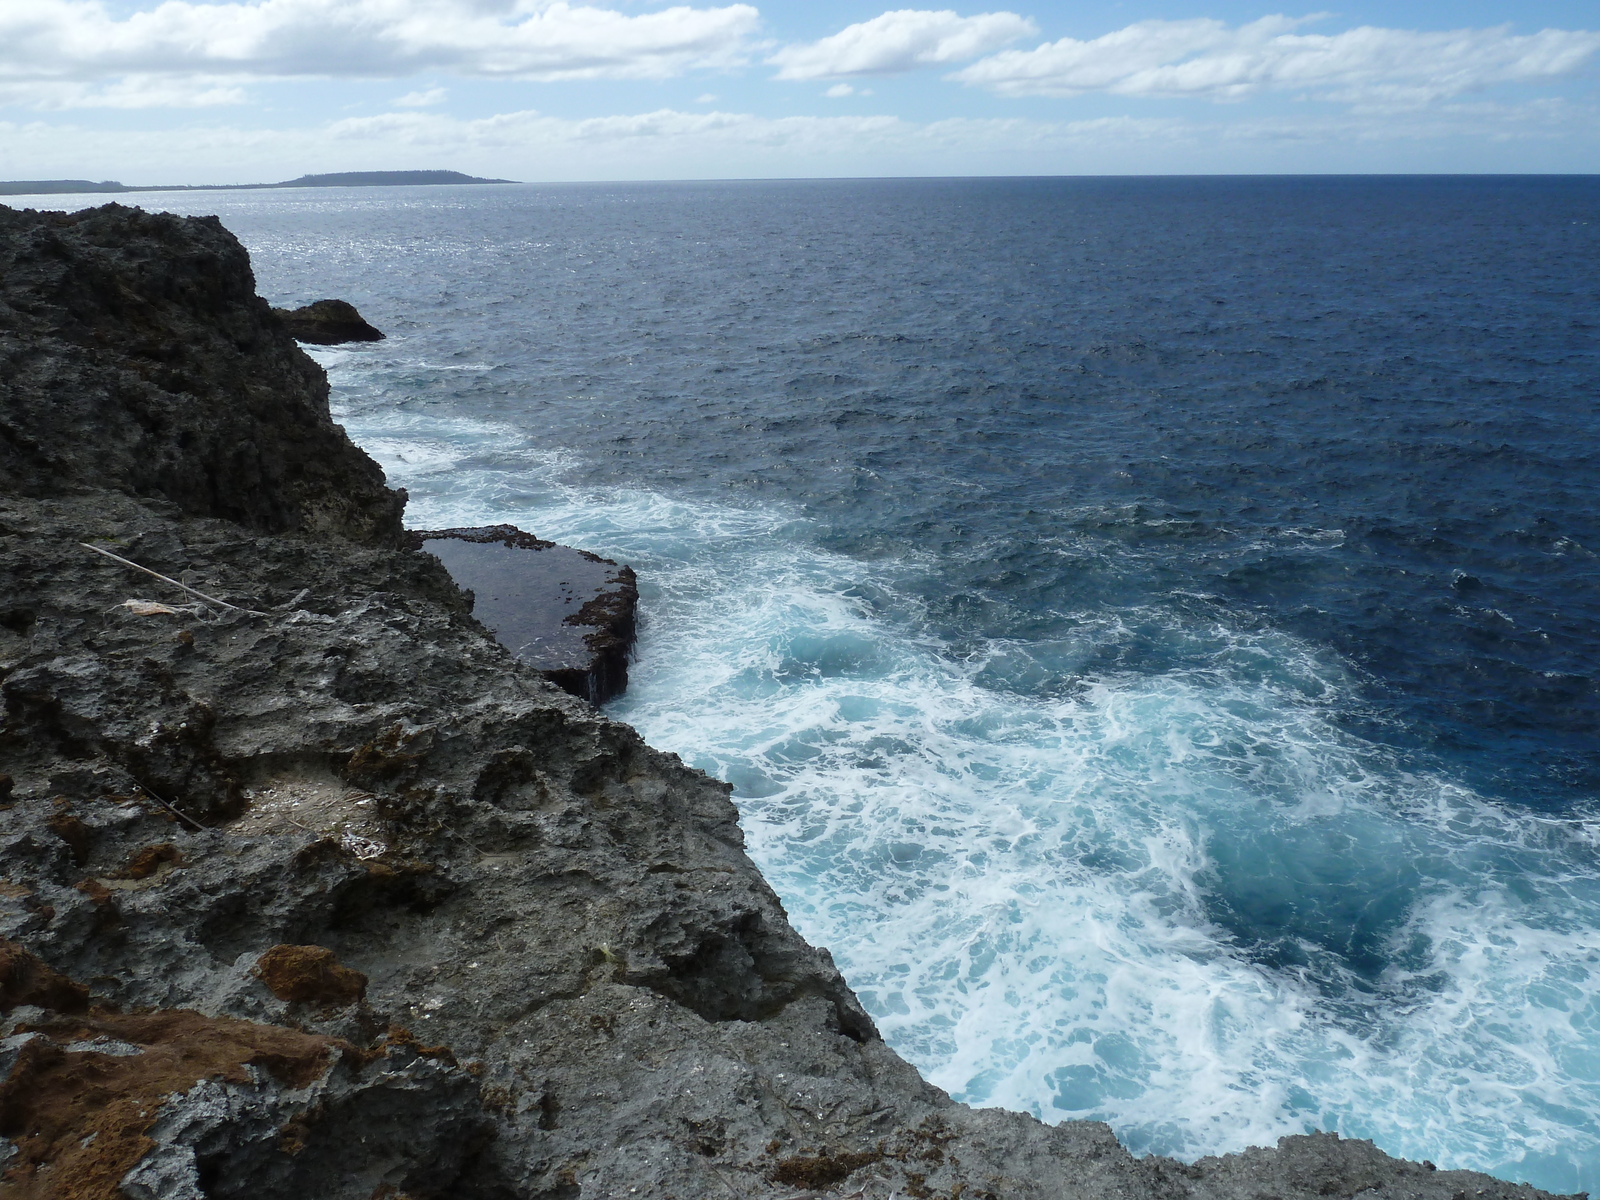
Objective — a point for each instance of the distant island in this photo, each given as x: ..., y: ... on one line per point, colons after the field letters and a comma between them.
x: 41, y: 187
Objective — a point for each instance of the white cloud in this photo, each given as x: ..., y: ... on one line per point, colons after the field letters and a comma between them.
x: 130, y: 91
x: 839, y: 91
x: 425, y: 99
x: 81, y: 40
x: 1544, y: 135
x: 531, y: 145
x: 901, y: 41
x: 1206, y: 58
x: 530, y: 127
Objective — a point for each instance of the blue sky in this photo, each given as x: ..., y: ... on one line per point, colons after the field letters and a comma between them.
x: 186, y: 91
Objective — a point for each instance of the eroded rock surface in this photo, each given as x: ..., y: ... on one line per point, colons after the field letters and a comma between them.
x: 326, y: 894
x: 176, y: 1105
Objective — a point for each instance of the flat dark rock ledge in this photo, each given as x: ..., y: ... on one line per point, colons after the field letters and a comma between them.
x: 569, y: 614
x: 308, y: 889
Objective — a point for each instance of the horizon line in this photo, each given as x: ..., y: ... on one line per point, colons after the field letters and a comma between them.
x: 116, y: 187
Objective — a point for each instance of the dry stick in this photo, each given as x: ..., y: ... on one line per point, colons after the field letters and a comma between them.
x: 167, y: 579
x: 171, y: 808
x: 316, y: 833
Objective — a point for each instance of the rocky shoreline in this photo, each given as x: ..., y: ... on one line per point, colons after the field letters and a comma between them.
x: 310, y: 887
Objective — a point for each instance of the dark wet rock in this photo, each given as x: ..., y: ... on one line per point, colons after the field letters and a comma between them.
x: 244, y: 850
x: 567, y: 613
x: 327, y: 323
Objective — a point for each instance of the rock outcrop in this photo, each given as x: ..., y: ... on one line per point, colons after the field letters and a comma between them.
x: 135, y: 355
x: 567, y: 613
x: 327, y: 323
x: 177, y: 1105
x: 314, y: 889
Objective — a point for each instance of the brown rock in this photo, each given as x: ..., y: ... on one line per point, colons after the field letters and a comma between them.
x: 310, y: 975
x: 146, y: 861
x: 74, y: 833
x: 25, y: 979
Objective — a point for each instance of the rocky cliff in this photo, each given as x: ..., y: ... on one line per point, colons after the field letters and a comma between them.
x: 136, y: 356
x: 311, y: 889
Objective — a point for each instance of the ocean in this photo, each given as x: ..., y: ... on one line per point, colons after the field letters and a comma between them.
x: 1151, y: 626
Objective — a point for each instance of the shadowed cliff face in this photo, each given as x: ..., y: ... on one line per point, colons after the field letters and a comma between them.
x: 325, y: 894
x: 136, y: 355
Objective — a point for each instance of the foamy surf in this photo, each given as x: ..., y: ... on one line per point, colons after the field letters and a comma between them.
x: 1187, y: 902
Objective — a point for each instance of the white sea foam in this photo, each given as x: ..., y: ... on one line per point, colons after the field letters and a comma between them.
x: 1032, y: 895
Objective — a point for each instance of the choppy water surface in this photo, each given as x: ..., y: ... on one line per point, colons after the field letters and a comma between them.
x: 1151, y: 625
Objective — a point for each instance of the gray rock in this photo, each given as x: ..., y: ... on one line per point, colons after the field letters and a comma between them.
x: 577, y: 983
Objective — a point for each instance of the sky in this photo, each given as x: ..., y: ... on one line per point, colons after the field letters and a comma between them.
x: 185, y: 91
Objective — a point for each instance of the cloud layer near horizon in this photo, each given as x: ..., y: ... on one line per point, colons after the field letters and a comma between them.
x: 531, y: 144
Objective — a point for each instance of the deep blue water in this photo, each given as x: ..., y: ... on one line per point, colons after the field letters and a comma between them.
x: 1151, y: 624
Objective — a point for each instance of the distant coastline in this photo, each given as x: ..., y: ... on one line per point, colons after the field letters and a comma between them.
x: 43, y: 187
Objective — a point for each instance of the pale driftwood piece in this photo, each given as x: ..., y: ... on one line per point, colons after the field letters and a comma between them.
x: 149, y: 608
x: 183, y: 587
